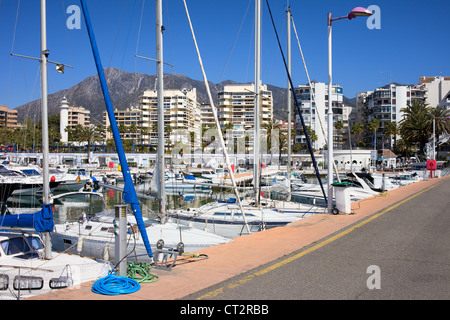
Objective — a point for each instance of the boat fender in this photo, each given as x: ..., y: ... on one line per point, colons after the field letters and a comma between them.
x: 80, y: 244
x: 106, y: 255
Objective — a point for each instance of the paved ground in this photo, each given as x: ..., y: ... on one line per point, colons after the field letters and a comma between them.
x: 403, y: 254
x: 340, y: 247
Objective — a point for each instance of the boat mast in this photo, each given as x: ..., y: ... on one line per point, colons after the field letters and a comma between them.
x: 44, y: 114
x: 129, y: 192
x: 289, y: 106
x: 216, y: 120
x: 160, y: 106
x: 256, y: 120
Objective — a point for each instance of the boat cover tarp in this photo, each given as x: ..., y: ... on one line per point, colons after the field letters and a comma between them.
x: 41, y: 221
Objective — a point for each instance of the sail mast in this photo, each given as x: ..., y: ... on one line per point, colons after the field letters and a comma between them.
x: 129, y: 193
x: 216, y: 120
x: 289, y: 105
x: 256, y: 121
x: 44, y: 114
x: 160, y: 107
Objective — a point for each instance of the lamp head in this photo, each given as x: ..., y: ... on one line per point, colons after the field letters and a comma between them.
x: 359, y: 12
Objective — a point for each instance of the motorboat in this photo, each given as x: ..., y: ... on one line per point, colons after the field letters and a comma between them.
x: 29, y: 187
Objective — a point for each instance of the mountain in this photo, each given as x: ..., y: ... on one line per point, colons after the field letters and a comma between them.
x: 126, y: 88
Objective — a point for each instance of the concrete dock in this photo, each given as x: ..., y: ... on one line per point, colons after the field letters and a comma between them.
x: 246, y: 253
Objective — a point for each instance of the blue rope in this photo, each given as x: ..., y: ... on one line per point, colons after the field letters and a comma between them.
x: 113, y: 284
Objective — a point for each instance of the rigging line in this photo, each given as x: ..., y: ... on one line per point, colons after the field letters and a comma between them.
x: 140, y: 26
x: 117, y: 35
x: 68, y: 40
x: 235, y: 40
x: 250, y: 50
x: 12, y: 48
x: 139, y: 35
x: 313, y: 93
x: 296, y: 104
x: 216, y: 119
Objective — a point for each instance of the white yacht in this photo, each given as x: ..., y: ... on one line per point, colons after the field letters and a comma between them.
x: 24, y: 273
x: 95, y: 237
x: 225, y: 218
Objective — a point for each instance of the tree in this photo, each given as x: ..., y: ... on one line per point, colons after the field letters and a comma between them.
x: 391, y: 129
x: 415, y: 125
x: 373, y: 126
x: 86, y: 134
x: 442, y: 125
x: 357, y: 129
x: 339, y: 125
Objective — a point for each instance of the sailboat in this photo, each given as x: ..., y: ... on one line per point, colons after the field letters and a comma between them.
x: 252, y: 215
x: 28, y: 266
x: 95, y: 237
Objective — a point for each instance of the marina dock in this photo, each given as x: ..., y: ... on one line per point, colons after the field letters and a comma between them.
x: 244, y: 254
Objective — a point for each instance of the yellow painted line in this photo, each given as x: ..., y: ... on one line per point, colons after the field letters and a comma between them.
x: 237, y: 283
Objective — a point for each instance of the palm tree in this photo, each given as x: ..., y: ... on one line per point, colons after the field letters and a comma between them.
x: 339, y: 125
x: 86, y: 134
x: 441, y: 122
x: 415, y: 125
x: 404, y: 148
x: 391, y: 129
x: 442, y: 125
x: 373, y: 125
x: 122, y: 130
x: 357, y: 129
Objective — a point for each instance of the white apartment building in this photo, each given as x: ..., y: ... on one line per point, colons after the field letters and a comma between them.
x: 386, y: 104
x: 206, y: 115
x: 236, y: 105
x: 181, y: 114
x: 130, y: 118
x: 313, y: 102
x: 437, y: 90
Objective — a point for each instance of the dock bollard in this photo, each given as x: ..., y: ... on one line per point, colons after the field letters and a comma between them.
x: 120, y: 248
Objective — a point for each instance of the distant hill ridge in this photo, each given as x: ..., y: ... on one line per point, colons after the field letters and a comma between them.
x: 126, y: 88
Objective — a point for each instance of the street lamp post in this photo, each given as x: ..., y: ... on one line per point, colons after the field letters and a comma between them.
x: 356, y: 12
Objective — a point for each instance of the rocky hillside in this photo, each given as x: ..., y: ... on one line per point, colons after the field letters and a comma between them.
x: 126, y: 88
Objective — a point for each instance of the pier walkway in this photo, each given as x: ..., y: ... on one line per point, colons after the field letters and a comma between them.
x: 264, y: 253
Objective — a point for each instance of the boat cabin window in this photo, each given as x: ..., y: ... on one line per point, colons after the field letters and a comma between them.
x: 15, y: 245
x: 8, y: 173
x: 35, y: 242
x: 31, y: 172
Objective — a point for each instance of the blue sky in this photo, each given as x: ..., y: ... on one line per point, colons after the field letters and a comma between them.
x: 412, y: 42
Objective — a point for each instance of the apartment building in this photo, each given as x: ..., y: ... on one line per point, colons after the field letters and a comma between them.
x: 8, y: 117
x: 313, y: 101
x: 181, y: 113
x: 131, y: 118
x: 236, y: 105
x: 206, y: 115
x: 386, y: 104
x: 437, y: 90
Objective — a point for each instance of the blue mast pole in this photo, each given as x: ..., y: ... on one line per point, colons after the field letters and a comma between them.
x: 129, y: 193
